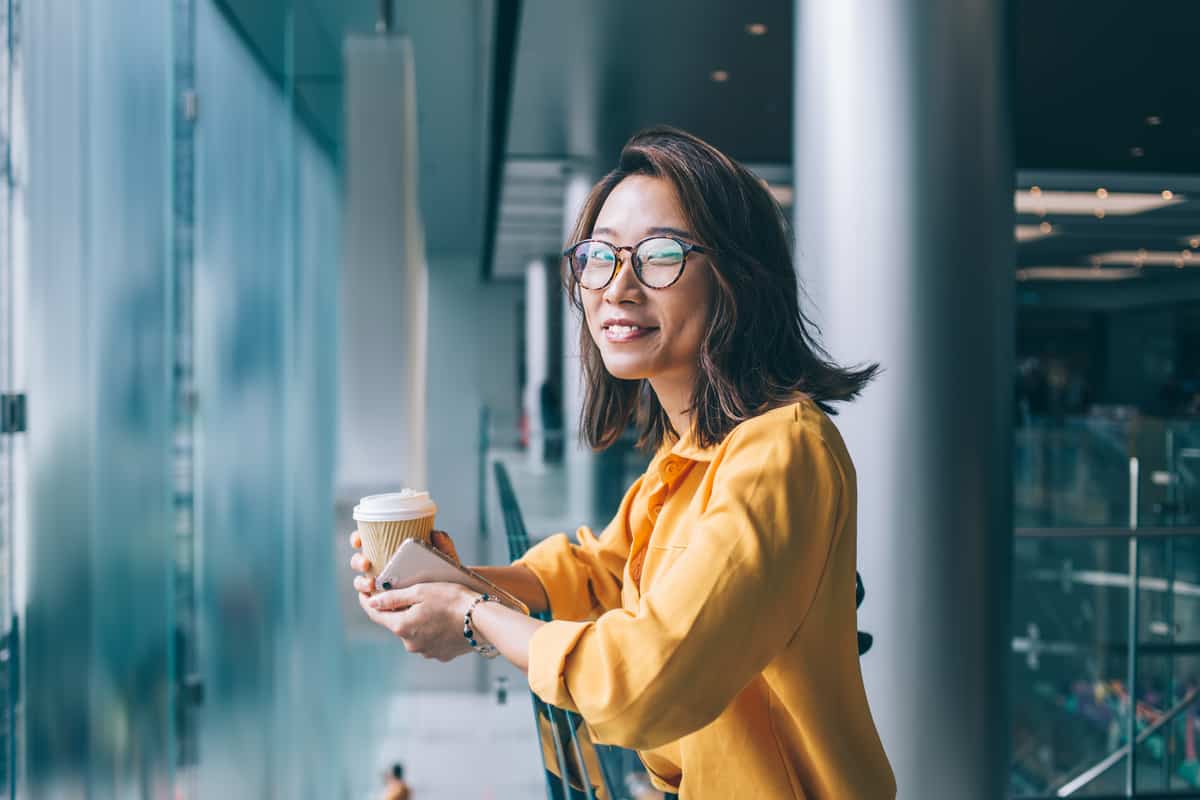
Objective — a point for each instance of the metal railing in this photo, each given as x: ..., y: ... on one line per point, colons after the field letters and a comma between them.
x: 581, y: 769
x: 1134, y: 582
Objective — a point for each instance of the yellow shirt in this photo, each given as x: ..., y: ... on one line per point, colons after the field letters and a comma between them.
x: 712, y: 625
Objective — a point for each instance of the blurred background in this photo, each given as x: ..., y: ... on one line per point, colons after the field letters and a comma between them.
x: 259, y: 258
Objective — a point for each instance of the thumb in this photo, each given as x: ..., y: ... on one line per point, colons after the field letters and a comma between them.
x: 443, y: 542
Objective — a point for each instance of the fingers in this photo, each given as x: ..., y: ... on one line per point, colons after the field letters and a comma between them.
x: 355, y: 539
x: 364, y: 584
x: 396, y: 599
x: 443, y: 542
x: 360, y: 563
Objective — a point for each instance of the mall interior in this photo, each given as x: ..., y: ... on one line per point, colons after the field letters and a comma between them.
x: 260, y: 258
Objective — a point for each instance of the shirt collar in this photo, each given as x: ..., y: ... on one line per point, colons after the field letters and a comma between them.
x: 686, y: 447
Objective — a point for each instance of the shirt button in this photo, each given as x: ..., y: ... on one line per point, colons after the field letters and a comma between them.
x: 657, y: 509
x: 671, y: 468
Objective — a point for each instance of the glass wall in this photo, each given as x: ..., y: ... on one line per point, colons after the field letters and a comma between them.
x: 1107, y: 489
x: 175, y: 249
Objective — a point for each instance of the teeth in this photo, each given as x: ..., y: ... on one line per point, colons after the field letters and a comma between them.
x: 623, y: 330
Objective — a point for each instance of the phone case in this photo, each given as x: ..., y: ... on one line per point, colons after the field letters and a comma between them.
x: 416, y: 562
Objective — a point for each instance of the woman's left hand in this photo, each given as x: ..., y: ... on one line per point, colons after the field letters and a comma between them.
x: 427, y: 617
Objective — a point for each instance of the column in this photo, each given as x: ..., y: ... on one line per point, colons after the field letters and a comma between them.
x: 538, y: 303
x: 580, y: 461
x: 904, y: 220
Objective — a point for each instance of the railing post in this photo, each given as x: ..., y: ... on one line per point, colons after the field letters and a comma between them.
x: 1134, y: 577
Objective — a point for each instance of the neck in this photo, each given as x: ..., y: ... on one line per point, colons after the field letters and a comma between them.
x: 674, y: 394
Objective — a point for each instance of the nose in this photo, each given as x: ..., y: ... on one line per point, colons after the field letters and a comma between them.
x: 624, y: 286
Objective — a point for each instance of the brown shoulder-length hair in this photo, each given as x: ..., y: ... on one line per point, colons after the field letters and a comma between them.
x: 759, y: 351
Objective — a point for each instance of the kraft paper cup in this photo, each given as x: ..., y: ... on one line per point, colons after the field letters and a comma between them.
x: 385, y: 521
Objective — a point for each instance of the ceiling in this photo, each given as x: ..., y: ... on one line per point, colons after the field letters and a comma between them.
x: 1103, y: 95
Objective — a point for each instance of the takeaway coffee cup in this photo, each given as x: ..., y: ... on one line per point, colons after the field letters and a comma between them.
x: 385, y: 521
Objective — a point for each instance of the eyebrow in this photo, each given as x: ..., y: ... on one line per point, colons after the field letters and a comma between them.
x: 649, y: 232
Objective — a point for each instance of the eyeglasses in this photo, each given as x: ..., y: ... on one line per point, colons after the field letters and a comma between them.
x: 657, y: 261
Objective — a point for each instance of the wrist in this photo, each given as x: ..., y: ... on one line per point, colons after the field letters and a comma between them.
x: 477, y: 640
x: 463, y: 603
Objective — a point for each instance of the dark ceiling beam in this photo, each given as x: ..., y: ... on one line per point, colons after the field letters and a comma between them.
x: 504, y: 61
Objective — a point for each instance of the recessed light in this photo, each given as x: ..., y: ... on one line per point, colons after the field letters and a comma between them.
x: 1062, y: 202
x: 756, y: 29
x: 1137, y: 152
x: 1138, y: 258
x: 1194, y: 243
x: 1099, y: 212
x: 1154, y: 121
x: 1102, y: 193
x: 1075, y: 274
x: 1167, y: 194
x: 720, y: 76
x: 1031, y: 233
x: 1036, y: 191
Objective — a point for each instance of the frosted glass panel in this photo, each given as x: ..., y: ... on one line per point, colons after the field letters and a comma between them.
x: 154, y: 240
x: 271, y: 649
x: 95, y: 538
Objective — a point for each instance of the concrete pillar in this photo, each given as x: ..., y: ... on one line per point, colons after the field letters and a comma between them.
x: 904, y: 219
x: 580, y: 461
x: 384, y: 291
x: 539, y: 301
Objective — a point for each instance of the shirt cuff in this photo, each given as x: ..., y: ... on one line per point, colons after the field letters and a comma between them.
x: 551, y: 561
x: 549, y: 649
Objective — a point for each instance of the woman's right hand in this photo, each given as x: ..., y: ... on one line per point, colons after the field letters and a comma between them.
x: 365, y: 584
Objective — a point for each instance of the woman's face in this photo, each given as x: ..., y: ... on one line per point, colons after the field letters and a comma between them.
x: 642, y: 332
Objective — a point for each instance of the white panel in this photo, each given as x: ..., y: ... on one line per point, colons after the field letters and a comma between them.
x: 383, y: 302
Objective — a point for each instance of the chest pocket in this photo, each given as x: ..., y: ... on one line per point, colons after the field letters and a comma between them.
x: 659, y: 559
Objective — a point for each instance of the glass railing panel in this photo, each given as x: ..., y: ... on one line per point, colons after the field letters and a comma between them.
x: 1076, y: 472
x: 1070, y: 614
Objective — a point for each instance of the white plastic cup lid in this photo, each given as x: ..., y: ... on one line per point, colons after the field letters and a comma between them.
x: 406, y: 504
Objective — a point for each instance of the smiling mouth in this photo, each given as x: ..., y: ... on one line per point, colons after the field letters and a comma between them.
x: 626, y: 333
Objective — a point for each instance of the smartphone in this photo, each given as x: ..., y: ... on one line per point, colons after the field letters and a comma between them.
x: 416, y: 562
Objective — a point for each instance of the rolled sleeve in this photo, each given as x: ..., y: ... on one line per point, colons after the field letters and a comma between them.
x: 583, y: 580
x: 548, y: 651
x: 566, y: 576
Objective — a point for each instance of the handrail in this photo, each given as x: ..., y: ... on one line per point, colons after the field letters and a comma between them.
x: 557, y: 718
x: 1095, y: 771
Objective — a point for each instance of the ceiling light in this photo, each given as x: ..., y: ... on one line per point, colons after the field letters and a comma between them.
x: 720, y: 76
x: 1083, y: 203
x: 1137, y: 152
x: 1154, y: 121
x: 1167, y: 194
x: 1031, y: 233
x: 1102, y: 193
x: 1194, y: 242
x: 756, y: 29
x: 1099, y: 212
x: 1075, y: 274
x: 1036, y: 191
x: 1153, y: 258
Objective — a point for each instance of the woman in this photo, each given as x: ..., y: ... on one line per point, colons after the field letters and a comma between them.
x: 711, y: 626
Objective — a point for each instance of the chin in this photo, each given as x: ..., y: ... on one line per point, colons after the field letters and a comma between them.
x: 626, y: 369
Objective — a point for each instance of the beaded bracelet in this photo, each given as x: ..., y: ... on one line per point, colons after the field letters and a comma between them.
x: 485, y: 650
